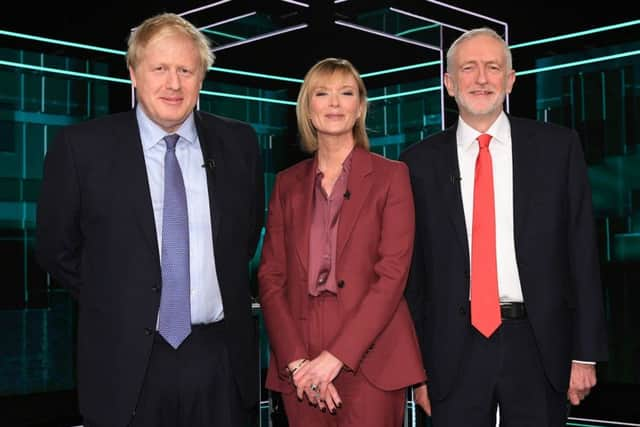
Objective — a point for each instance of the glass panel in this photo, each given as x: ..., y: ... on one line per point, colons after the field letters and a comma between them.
x: 600, y: 100
x: 401, y: 25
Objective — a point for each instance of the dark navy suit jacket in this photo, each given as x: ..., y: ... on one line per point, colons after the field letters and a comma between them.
x: 96, y: 236
x: 555, y: 247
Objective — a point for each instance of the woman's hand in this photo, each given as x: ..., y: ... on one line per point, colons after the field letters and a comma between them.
x: 314, y: 378
x: 330, y: 400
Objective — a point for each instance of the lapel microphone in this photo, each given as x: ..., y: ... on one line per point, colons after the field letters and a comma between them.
x: 347, y: 194
x: 209, y: 164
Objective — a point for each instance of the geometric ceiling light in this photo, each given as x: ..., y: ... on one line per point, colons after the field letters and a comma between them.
x: 235, y: 24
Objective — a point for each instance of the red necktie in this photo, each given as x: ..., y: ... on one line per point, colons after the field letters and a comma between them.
x: 485, y: 301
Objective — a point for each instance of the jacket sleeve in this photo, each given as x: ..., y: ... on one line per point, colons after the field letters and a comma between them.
x: 590, y: 338
x: 282, y: 327
x: 58, y: 231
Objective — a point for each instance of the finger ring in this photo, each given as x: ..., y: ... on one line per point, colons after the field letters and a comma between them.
x: 314, y: 387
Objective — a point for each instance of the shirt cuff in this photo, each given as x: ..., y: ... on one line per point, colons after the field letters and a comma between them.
x: 584, y: 362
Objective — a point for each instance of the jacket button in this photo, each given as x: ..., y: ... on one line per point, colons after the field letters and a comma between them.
x: 466, y: 274
x: 155, y: 288
x: 462, y: 311
x: 148, y: 331
x: 341, y: 284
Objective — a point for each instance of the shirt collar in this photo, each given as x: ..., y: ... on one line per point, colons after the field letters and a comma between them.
x: 151, y: 134
x: 346, y: 163
x: 500, y: 132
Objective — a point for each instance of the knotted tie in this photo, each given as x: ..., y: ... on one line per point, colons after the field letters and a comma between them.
x: 485, y: 301
x: 175, y: 306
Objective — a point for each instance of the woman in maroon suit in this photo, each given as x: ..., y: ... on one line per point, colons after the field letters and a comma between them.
x: 334, y: 266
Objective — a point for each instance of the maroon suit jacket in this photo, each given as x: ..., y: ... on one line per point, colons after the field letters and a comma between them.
x: 374, y: 248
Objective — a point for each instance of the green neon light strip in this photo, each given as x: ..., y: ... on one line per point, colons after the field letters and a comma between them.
x: 414, y: 30
x: 61, y: 42
x: 252, y: 74
x: 578, y: 34
x: 220, y: 33
x: 583, y: 425
x: 65, y: 72
x: 599, y: 423
x: 577, y: 63
x: 122, y: 53
x: 393, y: 70
x: 247, y: 97
x: 204, y: 92
x: 127, y: 81
x: 294, y: 80
x: 411, y: 92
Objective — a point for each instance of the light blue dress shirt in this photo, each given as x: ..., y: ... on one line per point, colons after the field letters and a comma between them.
x: 206, y: 302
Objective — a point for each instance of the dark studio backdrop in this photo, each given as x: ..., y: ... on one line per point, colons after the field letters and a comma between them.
x: 577, y: 65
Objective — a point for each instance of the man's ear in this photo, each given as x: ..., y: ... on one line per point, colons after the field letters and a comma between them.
x: 511, y: 79
x: 450, y: 84
x: 132, y: 76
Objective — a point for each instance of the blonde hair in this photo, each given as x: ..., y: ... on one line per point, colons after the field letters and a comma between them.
x: 324, y: 70
x: 167, y: 23
x: 484, y: 31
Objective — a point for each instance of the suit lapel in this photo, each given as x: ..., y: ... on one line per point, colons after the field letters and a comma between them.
x: 448, y: 180
x: 305, y: 180
x: 135, y: 182
x: 525, y: 158
x: 359, y: 188
x: 212, y: 146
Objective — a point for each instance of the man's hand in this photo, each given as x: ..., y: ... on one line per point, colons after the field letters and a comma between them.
x: 421, y: 397
x: 583, y: 378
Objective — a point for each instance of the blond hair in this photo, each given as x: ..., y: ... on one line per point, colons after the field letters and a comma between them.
x: 320, y: 71
x: 167, y: 23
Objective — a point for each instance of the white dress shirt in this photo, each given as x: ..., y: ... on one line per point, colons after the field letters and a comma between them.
x: 206, y: 301
x: 501, y: 159
x: 509, y: 286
